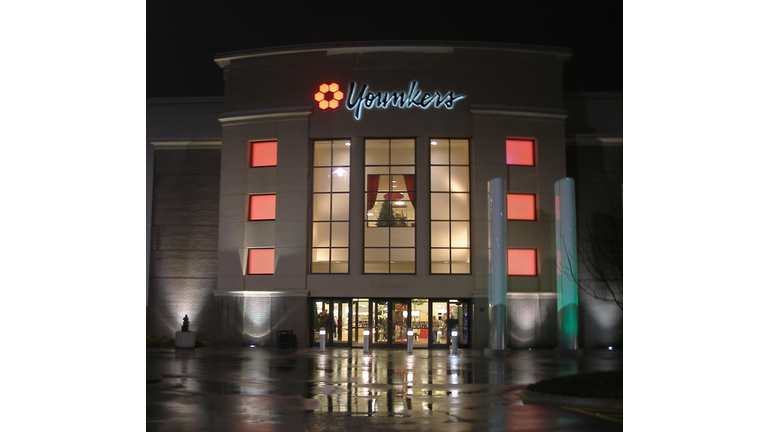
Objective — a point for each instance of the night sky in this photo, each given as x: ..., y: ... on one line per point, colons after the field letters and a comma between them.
x: 184, y: 37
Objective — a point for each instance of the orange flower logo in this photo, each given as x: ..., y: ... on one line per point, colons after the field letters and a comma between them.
x: 329, y: 96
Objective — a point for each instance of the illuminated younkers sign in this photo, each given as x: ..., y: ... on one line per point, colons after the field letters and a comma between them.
x: 414, y: 97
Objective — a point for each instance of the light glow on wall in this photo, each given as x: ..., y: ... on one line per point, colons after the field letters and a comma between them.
x: 262, y: 207
x: 263, y: 154
x: 521, y: 262
x: 521, y: 207
x: 261, y: 261
x: 520, y: 152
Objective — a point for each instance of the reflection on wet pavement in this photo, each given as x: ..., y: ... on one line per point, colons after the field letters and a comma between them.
x: 230, y: 389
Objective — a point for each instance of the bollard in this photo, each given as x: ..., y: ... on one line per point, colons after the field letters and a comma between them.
x: 322, y: 339
x: 454, y: 341
x: 409, y: 332
x: 366, y: 340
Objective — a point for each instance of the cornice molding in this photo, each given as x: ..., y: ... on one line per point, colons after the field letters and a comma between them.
x: 518, y: 111
x: 227, y: 293
x: 533, y: 295
x: 224, y: 59
x: 186, y: 144
x: 240, y: 117
x: 594, y: 140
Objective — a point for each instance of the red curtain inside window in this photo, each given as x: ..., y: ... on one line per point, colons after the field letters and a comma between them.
x: 373, y: 189
x: 410, y: 185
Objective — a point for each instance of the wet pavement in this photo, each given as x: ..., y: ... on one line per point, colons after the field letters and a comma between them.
x: 259, y: 389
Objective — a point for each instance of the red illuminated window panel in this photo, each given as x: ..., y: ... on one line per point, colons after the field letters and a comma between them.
x: 519, y: 152
x: 521, y: 262
x: 262, y: 207
x: 521, y: 207
x: 261, y: 261
x: 263, y: 153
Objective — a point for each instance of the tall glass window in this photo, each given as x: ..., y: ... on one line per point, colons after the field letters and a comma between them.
x: 330, y: 207
x: 449, y: 205
x: 390, y: 197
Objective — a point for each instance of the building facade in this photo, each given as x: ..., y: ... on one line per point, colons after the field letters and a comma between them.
x: 345, y: 187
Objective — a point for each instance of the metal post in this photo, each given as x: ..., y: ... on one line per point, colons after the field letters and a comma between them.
x: 322, y: 339
x: 454, y: 341
x: 409, y: 332
x: 366, y: 340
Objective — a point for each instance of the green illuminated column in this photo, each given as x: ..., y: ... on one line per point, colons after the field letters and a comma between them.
x: 567, y: 274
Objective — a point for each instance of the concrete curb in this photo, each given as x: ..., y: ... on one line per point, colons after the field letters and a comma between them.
x: 531, y: 397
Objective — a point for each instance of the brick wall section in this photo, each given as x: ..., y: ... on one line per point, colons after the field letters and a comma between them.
x: 184, y: 241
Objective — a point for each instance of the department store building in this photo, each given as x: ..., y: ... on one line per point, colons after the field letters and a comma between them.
x: 346, y: 186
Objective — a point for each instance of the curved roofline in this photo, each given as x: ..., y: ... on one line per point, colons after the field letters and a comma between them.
x: 223, y: 59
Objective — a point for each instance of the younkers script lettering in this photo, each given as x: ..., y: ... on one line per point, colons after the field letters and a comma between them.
x: 414, y: 97
x: 381, y: 285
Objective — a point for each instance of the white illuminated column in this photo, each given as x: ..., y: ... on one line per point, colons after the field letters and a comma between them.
x: 497, y: 263
x: 567, y: 274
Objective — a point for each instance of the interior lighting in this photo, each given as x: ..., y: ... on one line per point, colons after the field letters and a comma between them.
x: 347, y: 143
x: 434, y: 143
x: 399, y: 203
x: 340, y: 172
x: 370, y: 214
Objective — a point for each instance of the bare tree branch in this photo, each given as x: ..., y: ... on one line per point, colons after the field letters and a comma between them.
x: 600, y: 257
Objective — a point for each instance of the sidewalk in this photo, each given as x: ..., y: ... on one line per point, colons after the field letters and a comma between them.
x: 229, y: 388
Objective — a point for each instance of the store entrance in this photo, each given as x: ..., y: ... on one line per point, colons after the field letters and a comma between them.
x: 333, y: 315
x: 388, y: 319
x: 390, y: 322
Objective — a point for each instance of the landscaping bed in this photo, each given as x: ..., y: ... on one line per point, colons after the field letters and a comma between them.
x: 597, y: 385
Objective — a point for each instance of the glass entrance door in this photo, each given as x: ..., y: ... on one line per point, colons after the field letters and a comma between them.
x: 446, y: 316
x: 380, y: 332
x: 400, y: 322
x: 334, y: 316
x: 360, y: 321
x: 340, y: 323
x: 439, y: 323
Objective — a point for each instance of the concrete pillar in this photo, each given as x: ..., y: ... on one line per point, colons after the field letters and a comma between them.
x: 497, y: 263
x: 567, y: 274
